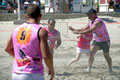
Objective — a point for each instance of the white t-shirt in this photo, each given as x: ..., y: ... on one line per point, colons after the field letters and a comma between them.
x: 26, y: 3
x: 36, y: 3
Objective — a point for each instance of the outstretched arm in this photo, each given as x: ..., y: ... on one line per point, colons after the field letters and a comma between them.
x: 45, y: 51
x: 76, y: 31
x: 9, y: 47
x: 96, y: 25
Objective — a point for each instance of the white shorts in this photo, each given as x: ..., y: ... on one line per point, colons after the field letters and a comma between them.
x: 16, y: 76
x: 80, y: 50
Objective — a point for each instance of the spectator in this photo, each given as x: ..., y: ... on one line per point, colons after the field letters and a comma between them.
x: 51, y: 6
x: 26, y: 4
x: 97, y: 6
x: 4, y: 5
x: 70, y: 6
x: 66, y: 6
x: 111, y: 5
x: 15, y: 6
x: 58, y: 5
x: 37, y: 2
x: 10, y: 7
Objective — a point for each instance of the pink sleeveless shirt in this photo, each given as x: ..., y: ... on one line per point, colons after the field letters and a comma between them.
x: 52, y: 37
x: 100, y: 34
x: 51, y: 5
x: 84, y: 41
x: 28, y: 57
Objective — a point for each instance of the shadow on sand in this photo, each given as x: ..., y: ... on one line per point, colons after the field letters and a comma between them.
x: 65, y: 74
x: 108, y: 20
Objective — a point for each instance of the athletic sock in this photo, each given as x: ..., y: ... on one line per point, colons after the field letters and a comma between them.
x: 110, y: 70
x: 88, y: 69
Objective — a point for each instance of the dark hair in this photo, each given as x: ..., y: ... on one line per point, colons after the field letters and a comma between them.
x: 91, y: 11
x: 51, y: 20
x: 33, y: 11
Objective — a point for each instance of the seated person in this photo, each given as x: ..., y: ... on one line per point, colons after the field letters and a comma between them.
x: 10, y: 7
x: 37, y: 2
x: 26, y: 3
x: 111, y: 5
x: 4, y: 5
x: 15, y: 6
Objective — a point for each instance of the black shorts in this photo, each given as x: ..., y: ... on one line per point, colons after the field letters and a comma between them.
x: 105, y: 45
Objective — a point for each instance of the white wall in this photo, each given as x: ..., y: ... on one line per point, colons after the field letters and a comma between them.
x: 42, y: 1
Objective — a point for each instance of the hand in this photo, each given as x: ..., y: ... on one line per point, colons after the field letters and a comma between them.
x: 78, y: 36
x: 72, y: 29
x: 77, y: 39
x: 56, y: 46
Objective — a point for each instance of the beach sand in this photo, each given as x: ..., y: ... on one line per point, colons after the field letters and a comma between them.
x: 67, y: 51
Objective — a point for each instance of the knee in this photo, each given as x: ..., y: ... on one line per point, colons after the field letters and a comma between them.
x: 91, y: 55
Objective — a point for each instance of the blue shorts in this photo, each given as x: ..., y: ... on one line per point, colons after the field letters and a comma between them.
x: 22, y: 76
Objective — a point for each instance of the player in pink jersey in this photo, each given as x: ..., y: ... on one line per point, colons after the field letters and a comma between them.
x: 28, y: 46
x: 54, y: 39
x: 101, y: 40
x: 83, y: 46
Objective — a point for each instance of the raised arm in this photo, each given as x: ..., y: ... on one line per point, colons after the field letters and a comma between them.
x: 45, y: 51
x: 9, y: 47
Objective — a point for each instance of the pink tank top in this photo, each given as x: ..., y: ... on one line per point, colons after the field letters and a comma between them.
x: 52, y: 37
x: 84, y: 41
x: 51, y: 5
x: 100, y: 34
x: 28, y: 57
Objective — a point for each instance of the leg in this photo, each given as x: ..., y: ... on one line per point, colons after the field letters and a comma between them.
x: 46, y: 68
x: 57, y: 9
x: 114, y: 8
x: 74, y: 59
x: 93, y: 50
x: 87, y: 54
x: 108, y: 9
x: 53, y: 10
x: 109, y: 61
x: 69, y: 10
x: 48, y: 10
x: 16, y: 10
x: 106, y: 49
x: 72, y: 8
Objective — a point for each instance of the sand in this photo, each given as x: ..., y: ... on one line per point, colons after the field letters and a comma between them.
x: 67, y: 51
